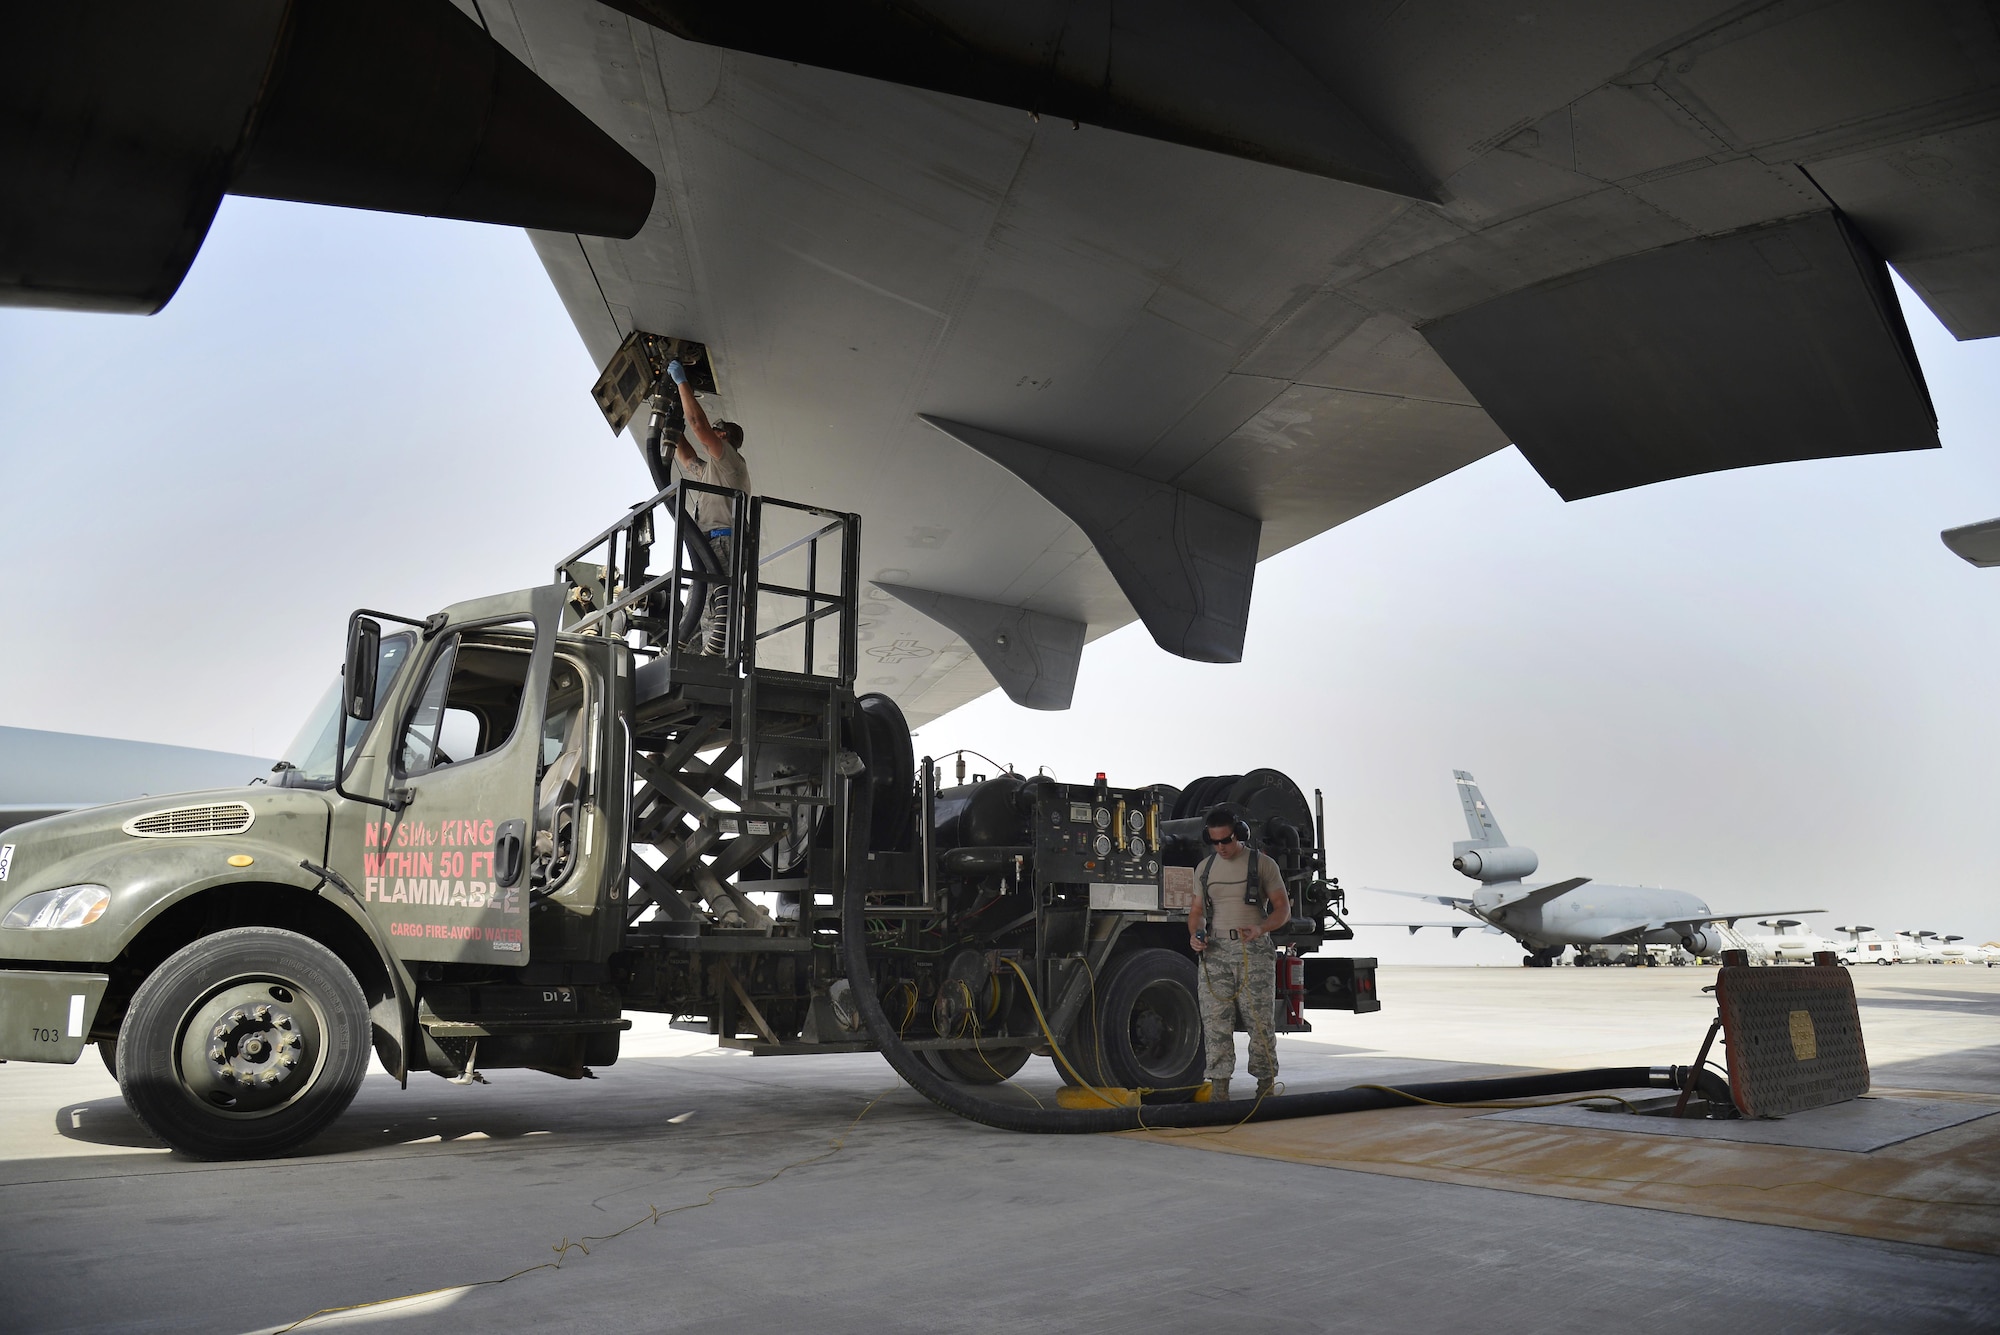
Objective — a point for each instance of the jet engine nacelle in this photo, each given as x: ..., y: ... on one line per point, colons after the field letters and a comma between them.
x: 1488, y: 865
x: 1706, y: 942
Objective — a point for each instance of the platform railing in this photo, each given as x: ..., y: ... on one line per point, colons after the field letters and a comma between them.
x: 613, y: 590
x: 792, y: 584
x: 803, y: 590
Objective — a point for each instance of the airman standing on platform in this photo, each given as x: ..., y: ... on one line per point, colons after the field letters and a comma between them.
x: 719, y: 464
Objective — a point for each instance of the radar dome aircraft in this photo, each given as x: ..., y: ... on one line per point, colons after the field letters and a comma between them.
x: 1549, y: 917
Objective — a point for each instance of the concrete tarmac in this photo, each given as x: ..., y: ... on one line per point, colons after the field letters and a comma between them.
x: 923, y: 1222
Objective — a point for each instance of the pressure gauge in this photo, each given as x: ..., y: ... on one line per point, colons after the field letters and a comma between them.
x: 1104, y: 818
x: 1138, y: 847
x: 1135, y: 820
x: 1104, y: 845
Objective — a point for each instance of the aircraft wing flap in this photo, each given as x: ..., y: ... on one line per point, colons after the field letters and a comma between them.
x: 1542, y: 894
x: 1449, y: 901
x: 1456, y: 928
x: 1730, y: 919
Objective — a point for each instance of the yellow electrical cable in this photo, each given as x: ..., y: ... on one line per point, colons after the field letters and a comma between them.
x: 654, y: 1214
x: 988, y: 1060
x: 1255, y: 1104
x: 1055, y: 1047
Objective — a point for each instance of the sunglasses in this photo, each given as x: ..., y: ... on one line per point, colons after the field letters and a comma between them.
x: 1225, y: 839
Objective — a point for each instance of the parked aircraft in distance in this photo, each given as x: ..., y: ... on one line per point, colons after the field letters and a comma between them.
x: 1866, y: 946
x: 1549, y: 917
x: 1786, y: 945
x: 1953, y: 951
x: 42, y: 773
x: 1917, y: 947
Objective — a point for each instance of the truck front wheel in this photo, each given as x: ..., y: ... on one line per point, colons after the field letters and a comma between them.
x: 244, y: 1045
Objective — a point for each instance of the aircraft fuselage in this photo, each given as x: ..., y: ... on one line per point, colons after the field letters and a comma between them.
x: 1591, y: 914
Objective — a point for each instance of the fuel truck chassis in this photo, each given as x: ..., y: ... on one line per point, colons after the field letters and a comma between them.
x: 517, y: 819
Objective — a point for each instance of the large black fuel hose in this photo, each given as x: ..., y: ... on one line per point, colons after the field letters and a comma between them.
x: 966, y: 1102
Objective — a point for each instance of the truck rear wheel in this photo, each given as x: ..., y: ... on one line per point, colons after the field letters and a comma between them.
x: 1145, y: 1030
x: 244, y: 1045
x: 984, y: 1066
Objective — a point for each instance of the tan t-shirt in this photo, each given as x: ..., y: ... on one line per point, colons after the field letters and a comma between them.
x: 1225, y: 887
x: 713, y: 512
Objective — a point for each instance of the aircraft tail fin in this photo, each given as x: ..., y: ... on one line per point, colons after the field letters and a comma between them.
x: 1478, y: 816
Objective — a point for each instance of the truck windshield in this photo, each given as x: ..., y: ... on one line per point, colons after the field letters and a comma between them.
x: 309, y: 759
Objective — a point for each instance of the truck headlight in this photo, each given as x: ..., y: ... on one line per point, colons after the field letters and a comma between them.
x: 71, y: 906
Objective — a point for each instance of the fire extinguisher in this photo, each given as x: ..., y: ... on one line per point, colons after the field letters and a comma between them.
x: 1292, y: 988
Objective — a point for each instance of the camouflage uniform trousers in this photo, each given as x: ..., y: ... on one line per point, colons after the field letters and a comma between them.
x: 1238, y: 984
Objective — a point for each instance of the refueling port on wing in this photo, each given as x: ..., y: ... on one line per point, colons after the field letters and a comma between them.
x: 635, y: 371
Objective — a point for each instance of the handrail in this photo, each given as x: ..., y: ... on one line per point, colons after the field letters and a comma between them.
x: 639, y: 594
x: 626, y: 550
x: 790, y: 592
x: 630, y: 516
x: 663, y: 602
x: 814, y: 536
x: 798, y: 620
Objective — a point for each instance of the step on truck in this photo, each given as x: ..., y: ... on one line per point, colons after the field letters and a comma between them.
x: 646, y: 786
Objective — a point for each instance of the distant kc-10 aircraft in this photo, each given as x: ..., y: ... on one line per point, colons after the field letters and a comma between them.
x: 1547, y: 917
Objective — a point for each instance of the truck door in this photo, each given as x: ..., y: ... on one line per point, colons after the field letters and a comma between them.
x: 447, y: 875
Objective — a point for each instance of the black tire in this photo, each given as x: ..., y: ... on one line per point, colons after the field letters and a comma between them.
x: 244, y: 1045
x: 107, y: 1048
x: 1145, y: 1031
x: 985, y: 1066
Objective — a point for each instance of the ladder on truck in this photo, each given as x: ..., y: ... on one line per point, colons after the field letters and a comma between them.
x: 734, y: 756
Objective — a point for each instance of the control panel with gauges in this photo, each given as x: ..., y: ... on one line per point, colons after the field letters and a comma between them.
x: 1106, y: 838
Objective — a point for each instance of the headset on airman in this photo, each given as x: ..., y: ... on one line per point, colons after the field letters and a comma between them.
x: 1224, y: 816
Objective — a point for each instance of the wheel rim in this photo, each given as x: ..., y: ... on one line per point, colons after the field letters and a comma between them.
x: 1164, y: 1030
x: 252, y: 1047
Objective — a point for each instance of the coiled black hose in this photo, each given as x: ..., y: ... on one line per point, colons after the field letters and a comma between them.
x: 964, y: 1101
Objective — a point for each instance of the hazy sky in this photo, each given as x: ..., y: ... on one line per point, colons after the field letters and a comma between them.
x: 1772, y: 688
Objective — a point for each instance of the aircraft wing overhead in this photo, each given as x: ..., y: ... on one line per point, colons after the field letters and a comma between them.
x: 1092, y: 374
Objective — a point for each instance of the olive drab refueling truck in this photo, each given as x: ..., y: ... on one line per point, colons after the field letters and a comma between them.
x: 512, y: 822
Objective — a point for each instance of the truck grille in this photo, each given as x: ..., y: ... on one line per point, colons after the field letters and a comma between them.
x: 181, y: 822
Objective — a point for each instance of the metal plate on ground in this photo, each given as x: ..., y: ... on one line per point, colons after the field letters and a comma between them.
x: 1857, y: 1126
x: 1793, y: 1036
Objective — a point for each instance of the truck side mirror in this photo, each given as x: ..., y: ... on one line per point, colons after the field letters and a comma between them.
x: 364, y: 657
